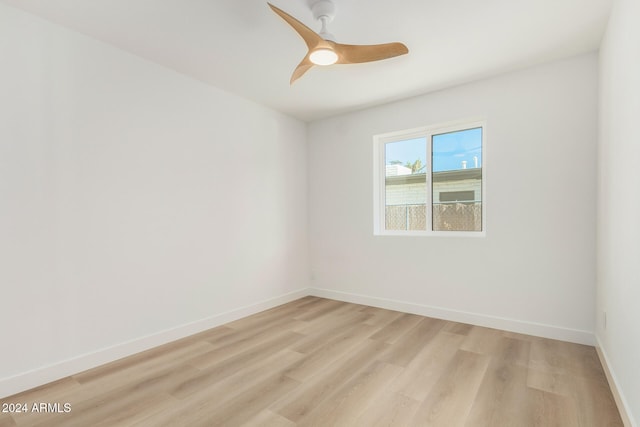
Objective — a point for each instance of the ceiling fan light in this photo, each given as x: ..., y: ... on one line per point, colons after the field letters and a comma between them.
x: 323, y: 57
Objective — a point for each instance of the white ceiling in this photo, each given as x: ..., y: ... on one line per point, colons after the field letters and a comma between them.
x: 241, y: 46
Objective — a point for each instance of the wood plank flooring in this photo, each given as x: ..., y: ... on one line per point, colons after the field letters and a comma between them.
x: 319, y: 362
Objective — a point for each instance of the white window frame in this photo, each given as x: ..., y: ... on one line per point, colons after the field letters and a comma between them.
x: 379, y: 175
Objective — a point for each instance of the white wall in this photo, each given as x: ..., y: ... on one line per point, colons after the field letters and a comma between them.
x: 133, y: 200
x: 619, y: 202
x: 535, y: 270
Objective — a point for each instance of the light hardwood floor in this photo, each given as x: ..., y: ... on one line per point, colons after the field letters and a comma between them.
x: 319, y: 362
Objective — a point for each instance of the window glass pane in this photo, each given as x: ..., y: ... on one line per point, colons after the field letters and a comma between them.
x: 406, y: 184
x: 457, y: 180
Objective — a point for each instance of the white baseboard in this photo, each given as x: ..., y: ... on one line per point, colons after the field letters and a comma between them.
x: 513, y: 325
x: 621, y: 402
x: 28, y: 380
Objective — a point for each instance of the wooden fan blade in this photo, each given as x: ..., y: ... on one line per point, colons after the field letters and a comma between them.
x: 354, y: 54
x: 310, y: 37
x: 302, y: 68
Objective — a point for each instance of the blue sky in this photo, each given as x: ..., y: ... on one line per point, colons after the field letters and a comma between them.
x: 449, y: 150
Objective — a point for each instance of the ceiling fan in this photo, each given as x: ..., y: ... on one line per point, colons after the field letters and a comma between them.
x: 323, y: 49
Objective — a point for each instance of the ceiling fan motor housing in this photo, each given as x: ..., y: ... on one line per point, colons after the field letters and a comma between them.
x: 323, y: 9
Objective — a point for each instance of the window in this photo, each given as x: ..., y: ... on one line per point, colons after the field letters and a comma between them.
x: 457, y: 196
x: 430, y: 181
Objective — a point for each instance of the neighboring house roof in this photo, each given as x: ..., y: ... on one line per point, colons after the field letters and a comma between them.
x: 395, y: 170
x: 454, y: 175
